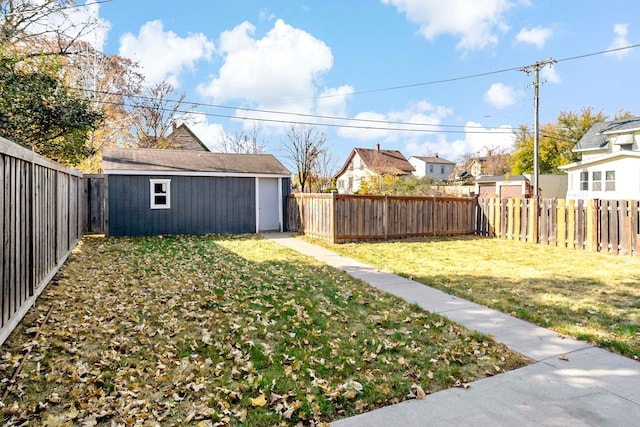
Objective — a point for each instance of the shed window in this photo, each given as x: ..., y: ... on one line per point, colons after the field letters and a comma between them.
x: 160, y: 193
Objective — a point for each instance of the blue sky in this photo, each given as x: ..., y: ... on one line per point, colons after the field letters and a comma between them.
x: 330, y: 58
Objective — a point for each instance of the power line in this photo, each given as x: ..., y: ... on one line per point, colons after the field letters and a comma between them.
x: 314, y: 116
x: 335, y: 125
x: 437, y: 128
x: 472, y: 76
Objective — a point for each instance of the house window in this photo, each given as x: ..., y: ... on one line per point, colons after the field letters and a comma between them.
x: 610, y: 183
x: 160, y: 192
x: 584, y: 181
x: 430, y: 168
x: 596, y: 180
x: 442, y: 170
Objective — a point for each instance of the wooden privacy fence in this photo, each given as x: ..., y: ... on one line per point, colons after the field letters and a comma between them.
x: 597, y: 225
x: 341, y: 217
x: 41, y: 220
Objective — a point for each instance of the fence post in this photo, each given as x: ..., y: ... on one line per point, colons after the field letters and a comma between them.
x: 592, y: 225
x: 490, y: 217
x: 571, y: 224
x: 334, y: 216
x: 533, y: 220
x: 561, y: 224
x: 385, y: 216
x: 517, y: 215
x: 498, y: 218
x: 433, y: 214
x: 510, y: 219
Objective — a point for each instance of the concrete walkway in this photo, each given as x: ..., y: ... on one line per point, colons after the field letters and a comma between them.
x: 592, y: 388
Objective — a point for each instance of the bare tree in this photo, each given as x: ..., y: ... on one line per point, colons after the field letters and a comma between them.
x: 325, y: 167
x: 244, y: 141
x: 303, y: 148
x: 154, y: 114
x: 43, y: 27
x: 109, y: 83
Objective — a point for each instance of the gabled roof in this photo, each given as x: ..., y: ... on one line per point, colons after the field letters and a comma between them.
x: 596, y: 137
x: 121, y: 160
x: 434, y: 159
x: 384, y: 162
x: 176, y: 141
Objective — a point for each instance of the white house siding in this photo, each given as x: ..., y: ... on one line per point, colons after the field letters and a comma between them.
x: 349, y: 182
x: 627, y: 180
x: 419, y: 166
x: 435, y: 170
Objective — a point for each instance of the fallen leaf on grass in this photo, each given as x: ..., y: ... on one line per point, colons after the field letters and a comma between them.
x: 259, y: 401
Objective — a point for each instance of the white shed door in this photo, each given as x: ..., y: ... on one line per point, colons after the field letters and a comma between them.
x: 268, y: 204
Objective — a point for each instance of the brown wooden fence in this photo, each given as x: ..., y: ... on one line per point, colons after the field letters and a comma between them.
x: 597, y: 225
x: 341, y: 217
x: 41, y: 220
x: 95, y: 190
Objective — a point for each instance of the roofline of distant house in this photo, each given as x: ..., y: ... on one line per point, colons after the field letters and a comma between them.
x: 194, y: 173
x: 615, y: 131
x: 583, y: 163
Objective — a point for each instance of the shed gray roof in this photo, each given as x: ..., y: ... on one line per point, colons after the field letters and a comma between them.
x: 152, y: 160
x: 596, y: 137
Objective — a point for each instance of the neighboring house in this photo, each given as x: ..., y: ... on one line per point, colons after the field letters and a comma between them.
x: 503, y: 186
x: 610, y: 165
x: 151, y: 192
x: 475, y: 168
x: 183, y: 138
x: 364, y: 163
x: 433, y: 167
x: 550, y: 186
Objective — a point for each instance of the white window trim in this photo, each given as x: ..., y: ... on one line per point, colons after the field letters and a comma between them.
x: 152, y: 193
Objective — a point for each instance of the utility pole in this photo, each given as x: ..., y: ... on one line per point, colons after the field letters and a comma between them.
x: 536, y: 123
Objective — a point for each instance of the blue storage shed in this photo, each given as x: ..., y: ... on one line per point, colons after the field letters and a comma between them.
x: 152, y: 192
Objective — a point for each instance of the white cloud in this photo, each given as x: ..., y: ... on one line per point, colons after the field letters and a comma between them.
x: 163, y: 55
x: 278, y: 72
x: 333, y: 101
x: 424, y: 114
x: 549, y: 74
x: 501, y: 96
x: 476, y: 23
x: 477, y: 140
x: 537, y: 36
x: 621, y: 31
x: 208, y: 133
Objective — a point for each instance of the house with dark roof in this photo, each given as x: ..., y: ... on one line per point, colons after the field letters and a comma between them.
x: 434, y: 167
x: 158, y: 192
x: 364, y: 163
x: 610, y: 164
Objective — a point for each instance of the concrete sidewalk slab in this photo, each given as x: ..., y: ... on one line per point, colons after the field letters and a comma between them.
x: 586, y: 387
x: 531, y: 396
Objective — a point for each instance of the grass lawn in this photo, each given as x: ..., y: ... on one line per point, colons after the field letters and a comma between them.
x: 224, y: 331
x: 590, y: 296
